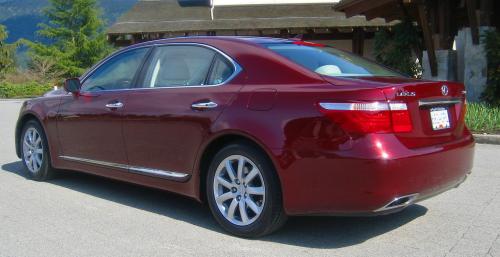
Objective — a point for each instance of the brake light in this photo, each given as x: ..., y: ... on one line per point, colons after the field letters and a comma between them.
x: 369, y: 117
x: 307, y: 43
x: 400, y: 116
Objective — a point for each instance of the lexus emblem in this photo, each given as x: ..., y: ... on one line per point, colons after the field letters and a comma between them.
x: 403, y: 92
x: 444, y: 90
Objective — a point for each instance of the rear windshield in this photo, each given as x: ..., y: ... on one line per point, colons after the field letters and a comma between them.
x: 330, y: 61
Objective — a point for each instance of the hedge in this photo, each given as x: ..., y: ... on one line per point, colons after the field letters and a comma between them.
x: 25, y: 90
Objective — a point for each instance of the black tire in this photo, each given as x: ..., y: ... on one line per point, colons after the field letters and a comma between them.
x: 272, y: 216
x: 46, y: 171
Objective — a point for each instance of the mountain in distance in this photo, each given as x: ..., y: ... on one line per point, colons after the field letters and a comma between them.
x: 21, y: 17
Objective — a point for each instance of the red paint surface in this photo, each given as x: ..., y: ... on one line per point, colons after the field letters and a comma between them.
x: 322, y: 168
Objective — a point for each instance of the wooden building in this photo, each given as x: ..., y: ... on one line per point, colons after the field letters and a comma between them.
x: 149, y: 20
x: 440, y: 20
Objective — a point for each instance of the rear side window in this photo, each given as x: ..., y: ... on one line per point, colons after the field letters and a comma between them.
x: 329, y: 61
x: 177, y: 66
x: 221, y: 71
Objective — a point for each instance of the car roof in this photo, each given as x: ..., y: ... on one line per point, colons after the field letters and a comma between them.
x: 194, y: 39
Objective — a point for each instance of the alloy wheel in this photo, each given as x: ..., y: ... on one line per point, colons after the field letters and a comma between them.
x: 33, y: 150
x: 239, y: 190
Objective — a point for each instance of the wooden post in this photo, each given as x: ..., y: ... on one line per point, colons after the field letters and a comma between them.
x: 471, y: 13
x: 429, y: 44
x: 487, y: 8
x: 444, y: 18
x: 358, y: 38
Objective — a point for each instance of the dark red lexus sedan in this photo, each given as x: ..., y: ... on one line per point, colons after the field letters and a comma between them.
x: 259, y: 128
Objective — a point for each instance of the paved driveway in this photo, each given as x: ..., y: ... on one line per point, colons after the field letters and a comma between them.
x: 83, y: 215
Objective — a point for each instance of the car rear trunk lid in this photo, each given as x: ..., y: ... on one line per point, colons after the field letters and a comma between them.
x: 437, y: 109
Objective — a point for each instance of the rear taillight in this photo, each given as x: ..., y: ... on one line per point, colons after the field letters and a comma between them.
x: 400, y: 115
x: 369, y: 117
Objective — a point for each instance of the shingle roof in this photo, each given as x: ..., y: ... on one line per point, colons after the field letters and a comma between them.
x: 164, y: 16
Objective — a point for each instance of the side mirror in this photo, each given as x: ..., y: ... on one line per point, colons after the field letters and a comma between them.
x: 72, y: 85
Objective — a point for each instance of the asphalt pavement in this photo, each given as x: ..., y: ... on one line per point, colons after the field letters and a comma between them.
x: 83, y: 215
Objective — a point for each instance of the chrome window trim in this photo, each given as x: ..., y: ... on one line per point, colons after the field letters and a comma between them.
x: 165, y: 174
x: 371, y: 106
x: 237, y: 68
x: 439, y: 102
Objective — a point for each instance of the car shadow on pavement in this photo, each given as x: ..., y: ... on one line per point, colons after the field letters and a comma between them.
x: 315, y: 232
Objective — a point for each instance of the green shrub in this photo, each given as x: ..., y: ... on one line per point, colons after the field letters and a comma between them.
x: 483, y: 118
x: 25, y: 90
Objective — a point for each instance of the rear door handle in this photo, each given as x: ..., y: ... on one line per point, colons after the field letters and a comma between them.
x: 204, y: 105
x: 115, y: 105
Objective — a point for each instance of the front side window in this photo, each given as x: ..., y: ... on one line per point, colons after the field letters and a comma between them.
x: 329, y: 61
x: 117, y: 73
x: 179, y: 66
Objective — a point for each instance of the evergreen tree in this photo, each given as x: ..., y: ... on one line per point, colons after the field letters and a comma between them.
x: 398, y: 48
x: 7, y: 53
x: 75, y: 31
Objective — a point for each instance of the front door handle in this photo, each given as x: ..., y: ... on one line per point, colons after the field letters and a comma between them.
x: 204, y: 105
x: 114, y: 105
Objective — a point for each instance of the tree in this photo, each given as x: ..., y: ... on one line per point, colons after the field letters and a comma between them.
x: 75, y: 31
x: 399, y: 48
x: 7, y: 53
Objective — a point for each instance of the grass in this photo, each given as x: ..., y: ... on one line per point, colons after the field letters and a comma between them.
x: 23, y: 90
x: 483, y: 118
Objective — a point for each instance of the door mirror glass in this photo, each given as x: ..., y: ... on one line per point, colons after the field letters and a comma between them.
x: 72, y: 85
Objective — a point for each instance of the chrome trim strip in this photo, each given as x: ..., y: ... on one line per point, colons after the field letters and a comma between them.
x: 336, y: 106
x: 371, y: 106
x: 439, y: 102
x: 158, y: 173
x: 101, y: 163
x: 114, y: 105
x: 398, y: 106
x: 177, y: 176
x: 237, y: 68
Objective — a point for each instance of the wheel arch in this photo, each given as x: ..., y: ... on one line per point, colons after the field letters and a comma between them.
x: 219, y: 142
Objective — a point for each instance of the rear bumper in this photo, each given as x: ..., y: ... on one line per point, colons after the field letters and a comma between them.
x: 375, y: 171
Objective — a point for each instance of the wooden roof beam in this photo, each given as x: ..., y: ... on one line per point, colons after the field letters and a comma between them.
x: 383, y: 12
x: 359, y: 8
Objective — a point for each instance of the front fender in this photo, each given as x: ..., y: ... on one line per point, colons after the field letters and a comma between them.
x: 44, y: 110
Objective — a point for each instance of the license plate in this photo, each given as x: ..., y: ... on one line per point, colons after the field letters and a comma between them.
x: 440, y: 118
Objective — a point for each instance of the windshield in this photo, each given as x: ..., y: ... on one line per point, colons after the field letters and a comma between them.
x: 329, y: 61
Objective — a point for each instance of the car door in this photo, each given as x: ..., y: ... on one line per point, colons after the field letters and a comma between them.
x: 184, y: 91
x: 90, y: 124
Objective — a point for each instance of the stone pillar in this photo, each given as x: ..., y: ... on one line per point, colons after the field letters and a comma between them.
x: 460, y: 46
x: 446, y: 60
x: 472, y: 64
